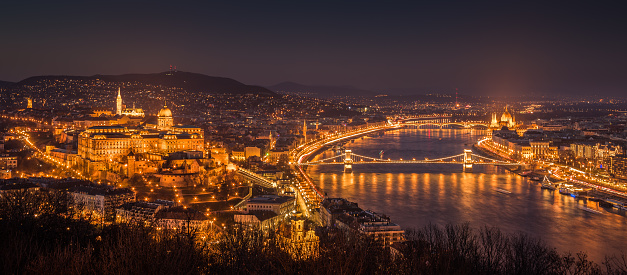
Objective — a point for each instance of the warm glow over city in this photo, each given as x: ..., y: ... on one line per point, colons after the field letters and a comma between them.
x: 313, y: 138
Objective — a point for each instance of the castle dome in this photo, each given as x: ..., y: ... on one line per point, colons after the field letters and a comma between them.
x: 165, y: 112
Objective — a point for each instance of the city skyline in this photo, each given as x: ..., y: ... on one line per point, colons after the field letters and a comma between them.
x: 480, y: 48
x: 167, y: 137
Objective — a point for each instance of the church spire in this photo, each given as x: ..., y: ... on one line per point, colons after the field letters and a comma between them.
x: 118, y: 106
x: 305, y: 129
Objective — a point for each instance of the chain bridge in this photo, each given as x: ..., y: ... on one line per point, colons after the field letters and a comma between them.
x: 467, y: 159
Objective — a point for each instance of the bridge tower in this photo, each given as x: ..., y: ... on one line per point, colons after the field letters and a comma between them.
x: 348, y: 162
x: 467, y: 160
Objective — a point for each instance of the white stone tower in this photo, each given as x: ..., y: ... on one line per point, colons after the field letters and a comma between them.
x: 118, y: 110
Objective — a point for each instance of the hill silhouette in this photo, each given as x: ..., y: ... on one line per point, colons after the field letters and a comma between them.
x: 6, y: 84
x: 192, y: 82
x: 320, y: 91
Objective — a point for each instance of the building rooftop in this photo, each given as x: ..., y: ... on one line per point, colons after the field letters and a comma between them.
x: 147, y: 205
x: 100, y: 190
x: 263, y: 215
x: 6, y: 185
x: 270, y: 199
x: 339, y: 205
x: 180, y: 213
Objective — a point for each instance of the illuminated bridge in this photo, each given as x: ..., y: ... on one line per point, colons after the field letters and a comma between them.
x: 311, y: 196
x: 439, y: 122
x: 467, y: 159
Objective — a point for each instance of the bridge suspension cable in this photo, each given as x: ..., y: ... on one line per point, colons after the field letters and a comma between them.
x: 456, y: 159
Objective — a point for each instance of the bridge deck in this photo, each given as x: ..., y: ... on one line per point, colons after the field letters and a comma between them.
x: 409, y: 162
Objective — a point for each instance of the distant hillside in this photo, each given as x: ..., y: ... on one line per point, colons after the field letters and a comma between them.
x: 321, y: 91
x: 6, y: 84
x: 192, y: 82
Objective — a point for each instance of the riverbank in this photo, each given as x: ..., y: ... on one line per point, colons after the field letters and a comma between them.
x: 415, y: 196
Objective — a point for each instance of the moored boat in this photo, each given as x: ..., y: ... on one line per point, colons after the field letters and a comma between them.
x: 579, y: 193
x: 547, y: 184
x: 564, y: 191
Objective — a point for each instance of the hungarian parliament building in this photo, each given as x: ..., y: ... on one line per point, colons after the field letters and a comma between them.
x: 103, y: 148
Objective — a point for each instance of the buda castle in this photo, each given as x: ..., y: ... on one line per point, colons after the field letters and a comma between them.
x: 102, y: 148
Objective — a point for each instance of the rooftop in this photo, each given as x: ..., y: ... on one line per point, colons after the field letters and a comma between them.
x: 270, y: 199
x: 180, y: 213
x: 100, y: 190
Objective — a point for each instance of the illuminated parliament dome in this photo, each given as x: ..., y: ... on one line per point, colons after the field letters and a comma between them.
x: 506, y: 117
x: 506, y: 120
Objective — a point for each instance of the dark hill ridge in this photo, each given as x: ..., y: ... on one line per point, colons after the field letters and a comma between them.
x: 321, y: 91
x: 6, y: 84
x: 191, y: 82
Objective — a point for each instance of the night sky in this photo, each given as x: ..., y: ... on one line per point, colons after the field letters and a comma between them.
x: 489, y: 48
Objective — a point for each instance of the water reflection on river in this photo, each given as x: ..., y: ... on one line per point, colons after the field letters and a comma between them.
x: 416, y: 195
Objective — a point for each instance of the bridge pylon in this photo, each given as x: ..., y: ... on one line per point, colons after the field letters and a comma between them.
x: 467, y: 160
x: 348, y: 161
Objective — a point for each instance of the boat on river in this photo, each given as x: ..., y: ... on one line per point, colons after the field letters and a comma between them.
x: 564, y: 191
x: 503, y: 191
x: 547, y: 184
x: 577, y: 193
x: 339, y: 149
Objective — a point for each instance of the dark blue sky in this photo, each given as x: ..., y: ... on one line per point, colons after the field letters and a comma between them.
x: 500, y: 47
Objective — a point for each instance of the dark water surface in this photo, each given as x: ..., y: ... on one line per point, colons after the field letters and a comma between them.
x: 414, y: 195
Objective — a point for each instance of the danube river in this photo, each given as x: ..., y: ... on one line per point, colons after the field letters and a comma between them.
x: 414, y: 195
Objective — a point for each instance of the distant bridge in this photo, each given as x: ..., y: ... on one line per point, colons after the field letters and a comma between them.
x: 467, y: 159
x: 439, y: 122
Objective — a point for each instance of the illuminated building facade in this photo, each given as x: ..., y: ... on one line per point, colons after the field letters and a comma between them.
x: 164, y: 119
x: 120, y: 109
x: 618, y: 166
x: 101, y: 144
x: 101, y: 200
x: 118, y: 106
x: 506, y: 120
x: 298, y: 237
